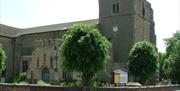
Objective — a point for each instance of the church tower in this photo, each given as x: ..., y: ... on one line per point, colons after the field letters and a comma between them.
x: 125, y: 22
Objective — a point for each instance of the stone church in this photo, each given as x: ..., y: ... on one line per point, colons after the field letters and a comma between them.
x: 36, y: 50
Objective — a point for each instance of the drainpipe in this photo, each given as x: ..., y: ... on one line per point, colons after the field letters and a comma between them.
x: 14, y: 46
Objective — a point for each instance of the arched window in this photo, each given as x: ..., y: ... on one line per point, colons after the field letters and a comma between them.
x: 45, y: 75
x: 115, y: 8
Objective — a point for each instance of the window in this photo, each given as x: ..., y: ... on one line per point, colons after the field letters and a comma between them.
x: 37, y: 62
x: 56, y: 61
x: 45, y: 75
x: 44, y: 57
x: 115, y: 8
x: 67, y: 75
x: 3, y: 74
x: 55, y: 48
x: 54, y: 34
x: 24, y: 66
x: 27, y: 51
x: 51, y: 62
x: 49, y: 42
x: 143, y: 12
x: 44, y: 43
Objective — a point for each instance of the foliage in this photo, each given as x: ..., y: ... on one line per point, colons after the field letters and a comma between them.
x: 42, y: 83
x: 172, y: 63
x: 22, y: 77
x: 72, y: 83
x: 84, y: 50
x: 142, y: 61
x: 75, y: 83
x: 96, y: 83
x: 10, y: 80
x: 171, y: 43
x: 2, y: 58
x: 23, y: 83
x: 161, y: 61
x: 103, y: 77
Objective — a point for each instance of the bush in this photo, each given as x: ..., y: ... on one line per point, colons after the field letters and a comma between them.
x: 3, y: 58
x: 42, y: 83
x: 96, y: 83
x: 22, y: 77
x: 70, y: 83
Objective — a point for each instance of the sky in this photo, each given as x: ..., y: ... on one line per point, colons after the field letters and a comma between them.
x: 31, y: 13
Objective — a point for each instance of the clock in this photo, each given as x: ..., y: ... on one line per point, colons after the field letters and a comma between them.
x: 115, y: 28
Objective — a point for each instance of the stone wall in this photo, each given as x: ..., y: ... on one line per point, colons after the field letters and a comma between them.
x: 41, y: 51
x: 5, y: 87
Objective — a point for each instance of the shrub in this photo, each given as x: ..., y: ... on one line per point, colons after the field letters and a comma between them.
x: 22, y: 77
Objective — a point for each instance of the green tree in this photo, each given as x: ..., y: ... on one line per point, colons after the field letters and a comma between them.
x: 2, y: 58
x: 162, y: 57
x: 171, y: 43
x: 143, y: 61
x: 84, y: 50
x: 172, y: 63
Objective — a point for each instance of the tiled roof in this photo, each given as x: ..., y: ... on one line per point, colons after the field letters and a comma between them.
x: 8, y: 31
x: 15, y: 32
x: 55, y: 27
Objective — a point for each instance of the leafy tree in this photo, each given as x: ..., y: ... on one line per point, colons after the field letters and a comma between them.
x: 2, y: 58
x: 142, y: 61
x: 162, y: 58
x: 172, y: 63
x: 175, y: 73
x: 171, y: 43
x: 84, y: 50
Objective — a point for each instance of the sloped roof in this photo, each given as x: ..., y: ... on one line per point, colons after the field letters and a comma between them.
x: 15, y: 32
x: 8, y: 31
x: 55, y: 27
x: 119, y: 71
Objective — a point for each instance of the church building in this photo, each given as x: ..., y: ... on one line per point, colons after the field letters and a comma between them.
x: 36, y: 50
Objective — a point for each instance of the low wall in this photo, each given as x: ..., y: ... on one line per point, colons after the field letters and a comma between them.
x: 10, y: 87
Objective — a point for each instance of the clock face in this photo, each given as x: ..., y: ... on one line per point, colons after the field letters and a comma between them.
x: 115, y: 28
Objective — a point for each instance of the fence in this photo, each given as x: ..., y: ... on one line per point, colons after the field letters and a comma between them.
x: 10, y: 87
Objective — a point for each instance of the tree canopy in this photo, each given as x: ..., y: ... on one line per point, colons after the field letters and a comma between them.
x: 172, y: 63
x: 162, y: 58
x: 172, y: 43
x: 2, y: 58
x: 142, y: 61
x: 84, y: 50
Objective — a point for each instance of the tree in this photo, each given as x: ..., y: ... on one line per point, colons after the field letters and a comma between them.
x: 2, y: 58
x: 172, y: 63
x: 171, y: 43
x: 84, y: 50
x: 142, y: 61
x: 162, y: 57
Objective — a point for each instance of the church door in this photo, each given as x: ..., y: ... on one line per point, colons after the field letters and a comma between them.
x: 45, y: 75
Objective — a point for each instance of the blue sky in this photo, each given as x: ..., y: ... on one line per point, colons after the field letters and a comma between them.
x: 31, y: 13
